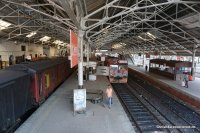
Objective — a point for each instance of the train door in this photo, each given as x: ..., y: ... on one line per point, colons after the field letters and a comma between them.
x: 113, y: 74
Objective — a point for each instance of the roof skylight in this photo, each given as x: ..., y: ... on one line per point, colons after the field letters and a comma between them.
x: 118, y: 45
x: 4, y: 24
x: 142, y: 38
x: 151, y: 35
x: 31, y: 34
x: 60, y: 43
x: 45, y: 38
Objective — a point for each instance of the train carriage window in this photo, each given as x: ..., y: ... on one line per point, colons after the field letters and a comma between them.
x: 47, y: 81
x: 113, y: 70
x: 40, y: 89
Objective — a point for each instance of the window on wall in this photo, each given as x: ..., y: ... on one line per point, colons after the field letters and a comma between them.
x: 23, y: 48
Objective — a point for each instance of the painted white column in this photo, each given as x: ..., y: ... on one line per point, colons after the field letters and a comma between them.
x: 88, y: 53
x: 143, y: 59
x: 87, y: 65
x: 160, y: 54
x: 80, y: 59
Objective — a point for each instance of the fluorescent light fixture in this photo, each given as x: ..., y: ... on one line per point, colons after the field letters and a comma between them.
x: 4, y: 24
x: 150, y: 35
x: 102, y: 50
x: 31, y: 34
x: 45, y: 38
x: 108, y: 27
x: 142, y: 38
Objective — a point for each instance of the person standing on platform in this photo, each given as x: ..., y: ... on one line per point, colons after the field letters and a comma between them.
x: 186, y: 80
x: 146, y: 68
x: 0, y: 62
x: 11, y: 60
x: 109, y: 95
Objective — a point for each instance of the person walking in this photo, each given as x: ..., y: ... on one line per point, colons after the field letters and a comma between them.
x: 109, y: 95
x: 186, y: 80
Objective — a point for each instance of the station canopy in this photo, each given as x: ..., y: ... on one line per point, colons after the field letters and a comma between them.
x: 171, y: 27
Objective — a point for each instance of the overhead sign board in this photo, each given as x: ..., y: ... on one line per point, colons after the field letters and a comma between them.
x: 102, y: 70
x: 122, y: 61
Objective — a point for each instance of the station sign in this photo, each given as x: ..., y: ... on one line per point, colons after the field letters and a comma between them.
x: 73, y: 49
x: 122, y: 61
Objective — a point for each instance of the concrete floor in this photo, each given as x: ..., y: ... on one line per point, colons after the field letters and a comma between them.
x: 56, y: 114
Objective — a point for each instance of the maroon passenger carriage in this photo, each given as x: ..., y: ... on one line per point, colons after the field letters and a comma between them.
x: 46, y: 75
x: 26, y: 85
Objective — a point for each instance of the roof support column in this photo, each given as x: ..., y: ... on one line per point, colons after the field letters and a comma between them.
x: 87, y: 56
x: 160, y: 54
x: 80, y: 59
x: 193, y: 63
x: 143, y: 58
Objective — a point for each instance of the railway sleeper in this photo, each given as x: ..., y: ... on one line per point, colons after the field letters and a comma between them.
x: 137, y: 110
x: 147, y: 118
x: 154, y: 130
x: 140, y: 113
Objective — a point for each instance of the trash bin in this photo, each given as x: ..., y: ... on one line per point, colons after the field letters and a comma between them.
x: 190, y: 77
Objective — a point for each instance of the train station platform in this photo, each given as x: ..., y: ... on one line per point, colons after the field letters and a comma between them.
x: 56, y: 114
x: 192, y: 91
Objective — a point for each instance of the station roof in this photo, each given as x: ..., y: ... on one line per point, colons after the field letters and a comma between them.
x: 170, y: 27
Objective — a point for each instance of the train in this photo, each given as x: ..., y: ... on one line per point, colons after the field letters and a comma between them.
x: 25, y: 86
x: 118, y: 70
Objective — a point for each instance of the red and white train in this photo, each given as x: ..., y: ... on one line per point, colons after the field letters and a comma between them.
x: 118, y: 70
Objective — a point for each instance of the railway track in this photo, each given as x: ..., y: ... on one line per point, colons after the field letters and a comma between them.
x: 144, y: 119
x: 172, y: 113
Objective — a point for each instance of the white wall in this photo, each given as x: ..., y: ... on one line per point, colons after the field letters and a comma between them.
x: 34, y: 49
x: 53, y: 51
x: 8, y: 48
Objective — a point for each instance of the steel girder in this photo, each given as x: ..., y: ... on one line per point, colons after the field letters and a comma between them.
x: 126, y: 22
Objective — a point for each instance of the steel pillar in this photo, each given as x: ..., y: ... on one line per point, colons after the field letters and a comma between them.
x: 143, y: 58
x: 88, y: 54
x: 193, y: 64
x: 160, y: 54
x: 80, y: 59
x: 87, y: 66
